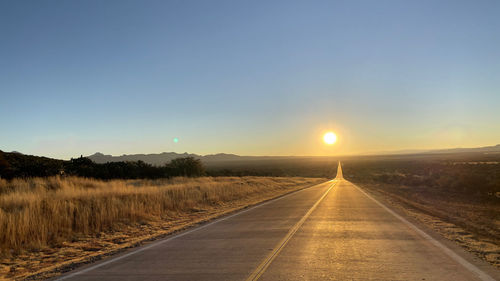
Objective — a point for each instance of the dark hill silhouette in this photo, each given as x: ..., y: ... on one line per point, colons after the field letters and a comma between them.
x: 165, y: 157
x: 14, y: 164
x: 161, y: 158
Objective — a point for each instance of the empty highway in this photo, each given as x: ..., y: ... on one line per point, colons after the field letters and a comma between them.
x: 332, y: 231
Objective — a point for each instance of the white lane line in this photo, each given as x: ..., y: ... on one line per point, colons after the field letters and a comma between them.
x: 141, y: 249
x: 257, y: 273
x: 474, y: 269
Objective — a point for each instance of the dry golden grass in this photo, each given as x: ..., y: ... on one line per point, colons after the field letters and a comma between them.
x: 42, y: 214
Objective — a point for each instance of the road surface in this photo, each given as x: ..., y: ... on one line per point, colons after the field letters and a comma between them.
x: 332, y: 231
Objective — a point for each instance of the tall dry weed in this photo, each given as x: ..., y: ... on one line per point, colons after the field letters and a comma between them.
x: 40, y: 212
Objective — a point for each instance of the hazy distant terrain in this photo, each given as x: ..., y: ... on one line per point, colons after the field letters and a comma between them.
x: 166, y: 157
x: 486, y: 149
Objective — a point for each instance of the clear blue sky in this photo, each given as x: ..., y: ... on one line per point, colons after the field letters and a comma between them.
x: 247, y: 77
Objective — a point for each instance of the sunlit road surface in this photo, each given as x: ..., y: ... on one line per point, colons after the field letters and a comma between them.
x: 332, y: 231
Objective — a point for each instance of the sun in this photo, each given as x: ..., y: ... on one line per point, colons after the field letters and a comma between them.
x: 330, y: 138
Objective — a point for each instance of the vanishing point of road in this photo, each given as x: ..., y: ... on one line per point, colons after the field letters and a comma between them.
x: 331, y: 231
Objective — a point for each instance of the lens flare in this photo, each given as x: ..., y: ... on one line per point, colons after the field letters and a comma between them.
x: 330, y: 138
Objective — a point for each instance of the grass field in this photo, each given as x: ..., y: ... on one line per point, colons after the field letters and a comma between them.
x: 50, y: 221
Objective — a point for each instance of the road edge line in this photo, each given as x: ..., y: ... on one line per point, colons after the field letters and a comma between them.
x: 182, y: 233
x: 472, y: 268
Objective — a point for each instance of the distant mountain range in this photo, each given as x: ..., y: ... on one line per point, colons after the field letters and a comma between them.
x: 484, y: 149
x: 166, y: 157
x: 163, y: 158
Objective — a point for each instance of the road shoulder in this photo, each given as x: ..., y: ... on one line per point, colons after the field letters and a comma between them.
x: 183, y: 226
x: 433, y: 226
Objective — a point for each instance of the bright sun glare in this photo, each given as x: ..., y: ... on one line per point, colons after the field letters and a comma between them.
x: 330, y: 138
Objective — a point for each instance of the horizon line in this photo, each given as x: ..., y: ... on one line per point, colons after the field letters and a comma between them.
x: 372, y: 153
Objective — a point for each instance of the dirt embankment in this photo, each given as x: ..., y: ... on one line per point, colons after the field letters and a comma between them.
x: 472, y: 223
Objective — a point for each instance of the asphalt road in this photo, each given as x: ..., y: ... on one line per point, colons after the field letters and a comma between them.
x: 332, y: 231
